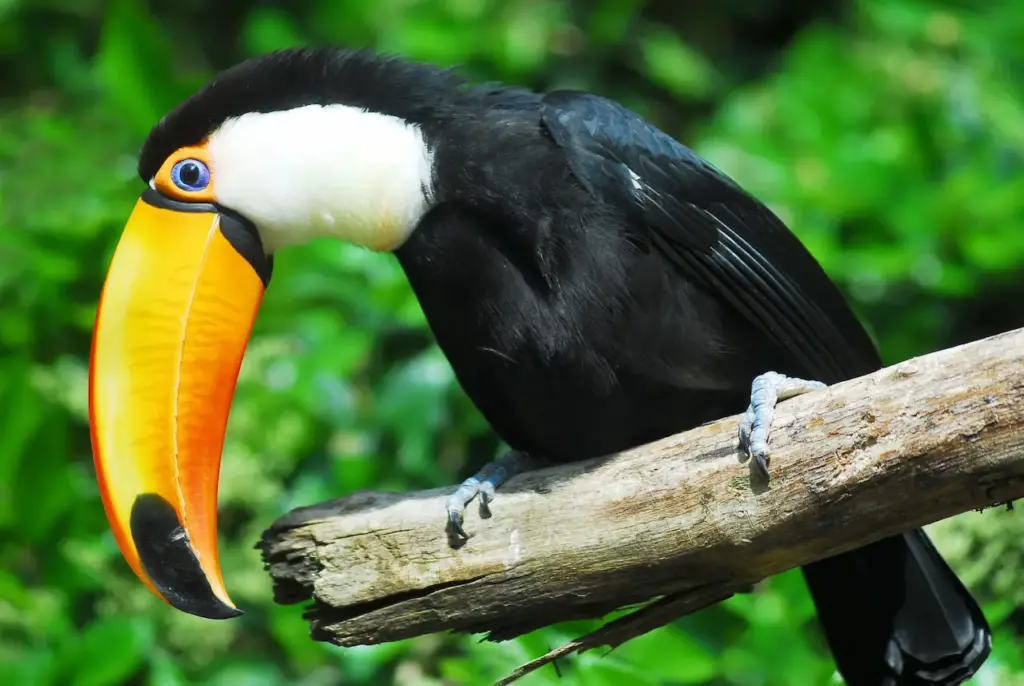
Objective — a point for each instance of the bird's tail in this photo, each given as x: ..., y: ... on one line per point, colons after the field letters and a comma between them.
x: 895, y: 614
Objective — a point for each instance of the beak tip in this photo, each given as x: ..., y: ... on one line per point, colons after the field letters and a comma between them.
x: 229, y: 613
x: 171, y: 563
x: 207, y: 608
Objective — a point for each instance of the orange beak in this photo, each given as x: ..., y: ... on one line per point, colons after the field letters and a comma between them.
x: 174, y: 319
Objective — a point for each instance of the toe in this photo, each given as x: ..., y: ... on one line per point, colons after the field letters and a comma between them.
x: 743, y: 430
x: 454, y: 526
x: 486, y: 493
x: 761, y: 460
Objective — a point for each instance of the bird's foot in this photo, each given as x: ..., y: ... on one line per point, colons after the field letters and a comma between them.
x: 485, y: 483
x: 756, y: 424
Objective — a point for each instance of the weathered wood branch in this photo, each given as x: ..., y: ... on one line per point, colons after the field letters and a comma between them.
x: 906, y: 446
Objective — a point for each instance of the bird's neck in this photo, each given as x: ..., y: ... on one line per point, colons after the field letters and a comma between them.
x: 333, y: 171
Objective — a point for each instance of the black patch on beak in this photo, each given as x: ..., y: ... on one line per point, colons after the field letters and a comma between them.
x: 169, y: 561
x: 239, y: 231
x: 243, y: 237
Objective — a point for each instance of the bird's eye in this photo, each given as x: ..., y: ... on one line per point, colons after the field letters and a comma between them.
x: 190, y: 175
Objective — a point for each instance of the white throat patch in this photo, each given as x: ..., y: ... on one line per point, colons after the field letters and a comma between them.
x: 323, y: 171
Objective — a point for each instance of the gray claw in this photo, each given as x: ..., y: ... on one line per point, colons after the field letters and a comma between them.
x: 456, y: 505
x: 484, y: 483
x: 755, y: 425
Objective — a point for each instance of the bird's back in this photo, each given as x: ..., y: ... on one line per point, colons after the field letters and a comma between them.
x: 581, y: 324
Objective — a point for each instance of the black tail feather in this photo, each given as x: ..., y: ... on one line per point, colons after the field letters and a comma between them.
x: 895, y: 614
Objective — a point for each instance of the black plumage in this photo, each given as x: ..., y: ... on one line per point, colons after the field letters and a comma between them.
x: 596, y: 285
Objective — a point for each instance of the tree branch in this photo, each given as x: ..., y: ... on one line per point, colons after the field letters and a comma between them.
x: 911, y: 444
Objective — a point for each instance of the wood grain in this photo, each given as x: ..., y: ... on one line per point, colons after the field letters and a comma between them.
x: 911, y: 444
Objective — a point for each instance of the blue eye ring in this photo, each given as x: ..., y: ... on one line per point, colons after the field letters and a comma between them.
x: 190, y: 175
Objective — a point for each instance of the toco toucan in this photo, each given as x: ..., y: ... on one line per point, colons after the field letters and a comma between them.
x: 594, y: 284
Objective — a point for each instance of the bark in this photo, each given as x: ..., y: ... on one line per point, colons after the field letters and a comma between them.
x: 683, y: 517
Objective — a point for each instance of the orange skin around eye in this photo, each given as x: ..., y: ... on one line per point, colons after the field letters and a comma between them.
x: 168, y: 188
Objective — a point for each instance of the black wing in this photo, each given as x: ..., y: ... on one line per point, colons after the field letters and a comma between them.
x: 714, y: 231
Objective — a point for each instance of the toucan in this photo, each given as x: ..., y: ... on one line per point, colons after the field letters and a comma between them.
x: 594, y: 284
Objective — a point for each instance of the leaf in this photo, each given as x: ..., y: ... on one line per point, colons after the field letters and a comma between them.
x: 670, y: 655
x: 288, y: 628
x: 33, y: 667
x: 134, y: 54
x: 269, y: 28
x: 44, y: 487
x: 251, y: 670
x: 667, y: 60
x: 164, y: 672
x: 110, y: 651
x: 23, y: 416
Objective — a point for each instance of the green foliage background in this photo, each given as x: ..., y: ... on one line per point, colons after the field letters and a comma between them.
x: 888, y: 133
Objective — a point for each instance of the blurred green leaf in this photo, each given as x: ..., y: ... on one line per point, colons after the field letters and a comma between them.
x: 892, y: 143
x: 671, y: 63
x: 164, y: 672
x: 36, y: 667
x: 269, y: 28
x: 250, y: 670
x: 110, y: 650
x: 134, y: 54
x: 24, y: 417
x: 671, y: 656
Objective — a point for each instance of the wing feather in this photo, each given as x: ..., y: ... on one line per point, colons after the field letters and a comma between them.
x: 712, y: 231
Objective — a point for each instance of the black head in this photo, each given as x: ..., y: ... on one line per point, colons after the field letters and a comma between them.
x: 307, y: 76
